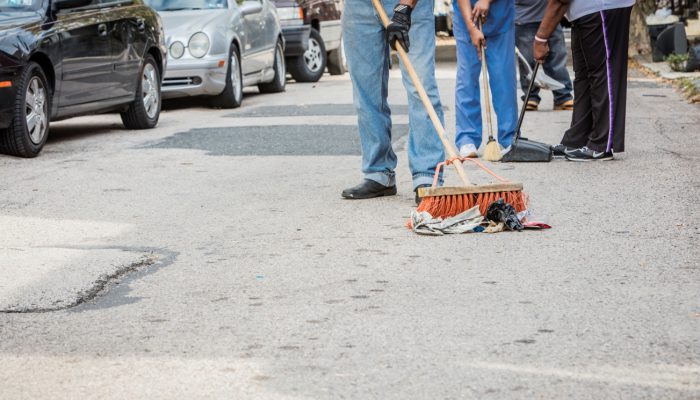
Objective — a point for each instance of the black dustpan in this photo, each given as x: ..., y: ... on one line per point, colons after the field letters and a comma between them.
x: 524, y: 149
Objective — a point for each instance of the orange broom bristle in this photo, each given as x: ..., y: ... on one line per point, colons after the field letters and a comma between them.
x: 451, y: 205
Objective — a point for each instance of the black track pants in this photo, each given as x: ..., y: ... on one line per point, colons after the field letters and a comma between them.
x: 599, y: 44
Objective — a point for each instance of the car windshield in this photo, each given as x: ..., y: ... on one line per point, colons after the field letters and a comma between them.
x: 176, y: 5
x: 7, y: 6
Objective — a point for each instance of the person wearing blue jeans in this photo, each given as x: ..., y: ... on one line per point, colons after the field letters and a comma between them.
x: 528, y: 15
x: 498, y: 35
x: 367, y: 49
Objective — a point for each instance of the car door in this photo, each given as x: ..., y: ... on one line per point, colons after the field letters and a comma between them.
x: 271, y: 32
x: 128, y: 46
x: 85, y: 42
x: 254, y: 23
x: 331, y: 28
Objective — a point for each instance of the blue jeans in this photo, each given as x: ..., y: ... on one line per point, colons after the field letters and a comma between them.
x: 554, y: 65
x: 500, y: 61
x: 368, y: 62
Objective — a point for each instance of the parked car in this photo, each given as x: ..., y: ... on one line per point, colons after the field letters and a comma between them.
x: 217, y: 47
x: 63, y: 58
x: 308, y: 55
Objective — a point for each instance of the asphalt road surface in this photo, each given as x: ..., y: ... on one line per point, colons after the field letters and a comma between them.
x: 213, y: 257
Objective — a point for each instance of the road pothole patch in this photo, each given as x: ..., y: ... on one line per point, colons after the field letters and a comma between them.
x: 307, y: 110
x: 278, y: 140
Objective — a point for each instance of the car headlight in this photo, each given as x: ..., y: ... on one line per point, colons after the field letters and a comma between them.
x: 199, y: 45
x: 177, y: 49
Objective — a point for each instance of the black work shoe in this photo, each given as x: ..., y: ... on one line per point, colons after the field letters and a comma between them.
x: 586, y: 154
x: 368, y: 189
x: 418, y: 198
x: 559, y: 150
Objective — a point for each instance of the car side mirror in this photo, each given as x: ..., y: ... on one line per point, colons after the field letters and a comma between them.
x: 250, y: 7
x: 65, y: 4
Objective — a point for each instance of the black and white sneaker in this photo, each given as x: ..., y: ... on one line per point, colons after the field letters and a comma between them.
x: 559, y: 150
x: 586, y: 154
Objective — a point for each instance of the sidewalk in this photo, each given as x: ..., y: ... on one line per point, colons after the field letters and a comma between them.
x: 688, y: 82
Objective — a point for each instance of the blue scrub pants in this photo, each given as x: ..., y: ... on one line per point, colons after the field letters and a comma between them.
x: 500, y: 61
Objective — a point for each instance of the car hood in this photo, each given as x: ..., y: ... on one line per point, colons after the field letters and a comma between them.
x: 187, y: 22
x: 12, y: 20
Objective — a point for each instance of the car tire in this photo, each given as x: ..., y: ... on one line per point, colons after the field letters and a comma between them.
x: 144, y: 111
x: 337, y: 65
x: 29, y: 127
x: 279, y: 81
x: 232, y: 96
x: 310, y: 66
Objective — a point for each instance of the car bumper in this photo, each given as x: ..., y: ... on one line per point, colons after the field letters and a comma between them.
x: 200, y: 77
x: 8, y: 84
x: 296, y: 39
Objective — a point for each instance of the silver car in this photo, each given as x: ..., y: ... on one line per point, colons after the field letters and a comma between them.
x: 217, y: 47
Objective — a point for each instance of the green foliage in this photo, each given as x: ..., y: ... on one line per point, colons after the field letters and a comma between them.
x: 690, y: 88
x: 677, y: 62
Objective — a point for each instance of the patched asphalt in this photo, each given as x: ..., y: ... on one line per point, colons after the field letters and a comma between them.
x: 278, y: 140
x: 306, y: 110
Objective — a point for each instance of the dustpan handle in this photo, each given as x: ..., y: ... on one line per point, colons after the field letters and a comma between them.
x: 449, y: 146
x: 527, y: 97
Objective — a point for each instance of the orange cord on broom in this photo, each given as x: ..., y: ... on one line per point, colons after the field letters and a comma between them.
x: 449, y: 205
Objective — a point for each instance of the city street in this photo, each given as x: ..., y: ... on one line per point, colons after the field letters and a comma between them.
x: 213, y: 257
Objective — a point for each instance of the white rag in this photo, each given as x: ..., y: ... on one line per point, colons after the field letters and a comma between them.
x: 425, y: 224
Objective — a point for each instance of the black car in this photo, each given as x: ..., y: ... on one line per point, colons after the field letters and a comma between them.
x: 64, y: 58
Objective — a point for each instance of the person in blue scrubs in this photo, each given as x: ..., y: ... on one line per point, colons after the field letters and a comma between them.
x: 498, y: 36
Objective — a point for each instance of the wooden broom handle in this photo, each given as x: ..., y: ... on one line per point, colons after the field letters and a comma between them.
x: 487, y: 88
x: 449, y: 147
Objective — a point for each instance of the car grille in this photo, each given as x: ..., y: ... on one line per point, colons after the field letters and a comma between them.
x: 183, y: 81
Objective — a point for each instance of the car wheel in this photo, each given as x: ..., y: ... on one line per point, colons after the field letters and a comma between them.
x: 337, y: 65
x: 144, y: 111
x: 232, y: 96
x: 309, y: 67
x: 30, y: 122
x: 279, y: 81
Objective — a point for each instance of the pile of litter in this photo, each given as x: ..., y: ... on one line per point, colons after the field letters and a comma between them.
x: 499, y: 217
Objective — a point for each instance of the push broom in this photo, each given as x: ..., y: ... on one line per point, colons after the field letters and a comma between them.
x: 449, y: 201
x: 493, y: 149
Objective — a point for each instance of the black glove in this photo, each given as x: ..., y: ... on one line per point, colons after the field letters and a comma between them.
x: 397, y: 31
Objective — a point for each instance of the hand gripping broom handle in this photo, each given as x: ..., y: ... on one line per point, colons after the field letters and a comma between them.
x: 449, y: 147
x: 487, y: 88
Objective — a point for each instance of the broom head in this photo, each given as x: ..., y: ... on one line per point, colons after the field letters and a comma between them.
x: 492, y: 151
x: 449, y: 201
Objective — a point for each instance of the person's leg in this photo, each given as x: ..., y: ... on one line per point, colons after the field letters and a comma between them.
x: 425, y: 150
x: 595, y: 52
x: 555, y: 66
x: 616, y: 26
x: 582, y: 117
x: 467, y: 94
x: 524, y: 36
x: 500, y: 61
x: 368, y: 64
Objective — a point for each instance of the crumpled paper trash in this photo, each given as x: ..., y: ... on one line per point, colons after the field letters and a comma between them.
x: 495, y: 227
x: 424, y: 223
